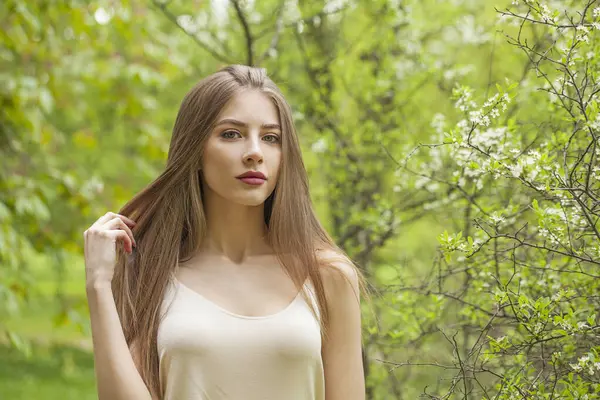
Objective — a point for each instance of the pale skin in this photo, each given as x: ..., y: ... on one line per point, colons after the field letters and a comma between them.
x: 235, y: 266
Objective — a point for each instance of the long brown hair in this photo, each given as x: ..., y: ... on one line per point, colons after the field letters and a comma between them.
x: 171, y: 223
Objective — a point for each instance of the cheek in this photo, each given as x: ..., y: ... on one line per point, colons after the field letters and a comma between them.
x: 215, y: 158
x: 215, y: 174
x: 214, y: 167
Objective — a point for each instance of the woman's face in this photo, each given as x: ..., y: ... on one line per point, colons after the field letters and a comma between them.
x: 246, y: 137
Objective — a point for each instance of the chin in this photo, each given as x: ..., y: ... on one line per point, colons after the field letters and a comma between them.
x: 250, y: 200
x: 257, y: 204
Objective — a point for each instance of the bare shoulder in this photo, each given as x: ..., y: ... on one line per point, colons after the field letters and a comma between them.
x: 339, y: 274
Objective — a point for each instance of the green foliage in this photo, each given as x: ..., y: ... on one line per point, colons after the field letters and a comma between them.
x: 57, y: 372
x: 452, y: 150
x: 522, y: 267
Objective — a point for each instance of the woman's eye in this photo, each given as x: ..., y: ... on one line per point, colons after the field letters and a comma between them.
x: 274, y: 140
x: 224, y: 134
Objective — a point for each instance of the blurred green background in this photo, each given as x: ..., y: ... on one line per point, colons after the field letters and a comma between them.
x: 452, y: 150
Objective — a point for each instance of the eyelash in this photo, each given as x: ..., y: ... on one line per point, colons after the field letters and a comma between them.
x: 224, y: 132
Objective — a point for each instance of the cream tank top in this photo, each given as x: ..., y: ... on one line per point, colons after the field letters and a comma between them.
x: 209, y: 353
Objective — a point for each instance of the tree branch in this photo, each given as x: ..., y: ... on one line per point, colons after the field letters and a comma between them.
x: 173, y: 18
x: 247, y: 33
x: 277, y: 35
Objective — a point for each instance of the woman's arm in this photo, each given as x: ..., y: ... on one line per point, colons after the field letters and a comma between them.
x: 342, y: 353
x: 117, y: 376
x: 116, y: 373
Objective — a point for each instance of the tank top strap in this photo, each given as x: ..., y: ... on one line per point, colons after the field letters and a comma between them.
x: 312, y: 296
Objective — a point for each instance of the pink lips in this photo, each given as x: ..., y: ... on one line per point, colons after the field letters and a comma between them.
x: 253, y: 178
x: 252, y: 181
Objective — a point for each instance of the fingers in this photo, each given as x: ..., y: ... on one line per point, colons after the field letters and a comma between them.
x: 117, y: 223
x: 111, y: 215
x: 119, y: 234
x: 110, y: 223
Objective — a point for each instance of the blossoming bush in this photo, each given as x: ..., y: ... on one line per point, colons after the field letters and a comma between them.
x: 516, y: 291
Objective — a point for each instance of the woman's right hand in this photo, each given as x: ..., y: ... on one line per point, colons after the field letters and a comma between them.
x: 100, y: 241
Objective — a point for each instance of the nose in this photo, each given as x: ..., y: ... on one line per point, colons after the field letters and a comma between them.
x: 253, y: 151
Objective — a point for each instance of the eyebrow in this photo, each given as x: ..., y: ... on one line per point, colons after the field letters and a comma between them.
x: 244, y: 125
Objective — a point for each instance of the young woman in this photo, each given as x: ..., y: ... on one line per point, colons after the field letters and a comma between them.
x: 226, y: 285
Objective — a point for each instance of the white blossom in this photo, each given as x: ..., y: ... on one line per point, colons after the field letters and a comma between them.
x: 575, y: 367
x: 582, y: 33
x: 545, y: 13
x: 582, y: 325
x: 496, y: 218
x: 516, y: 170
x: 438, y: 122
x: 319, y: 146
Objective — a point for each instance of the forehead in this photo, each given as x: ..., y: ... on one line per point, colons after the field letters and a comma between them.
x: 251, y: 107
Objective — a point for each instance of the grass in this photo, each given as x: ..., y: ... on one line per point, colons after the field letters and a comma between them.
x: 60, y: 363
x: 51, y: 372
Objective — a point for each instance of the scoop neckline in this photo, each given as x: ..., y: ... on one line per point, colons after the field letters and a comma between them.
x: 231, y: 313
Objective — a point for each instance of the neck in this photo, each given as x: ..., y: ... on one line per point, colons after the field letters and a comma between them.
x: 234, y: 231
